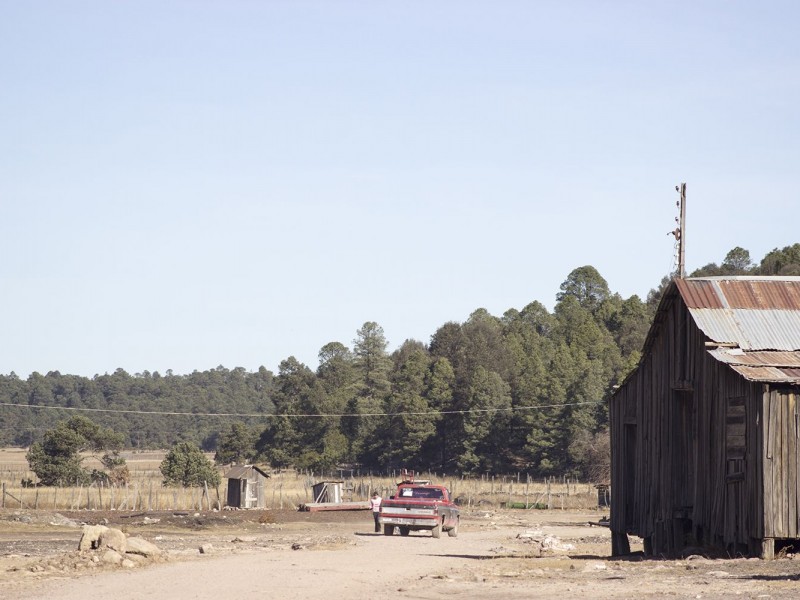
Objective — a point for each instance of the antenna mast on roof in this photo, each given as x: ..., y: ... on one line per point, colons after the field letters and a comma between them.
x: 682, y: 241
x: 680, y: 231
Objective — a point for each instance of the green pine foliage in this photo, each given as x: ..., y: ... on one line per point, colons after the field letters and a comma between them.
x: 57, y: 459
x: 236, y: 445
x: 526, y: 391
x: 186, y: 465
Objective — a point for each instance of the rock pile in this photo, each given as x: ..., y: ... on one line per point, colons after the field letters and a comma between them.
x: 113, y: 547
x: 544, y: 543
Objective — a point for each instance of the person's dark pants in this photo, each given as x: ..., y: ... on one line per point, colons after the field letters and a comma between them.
x: 375, y: 515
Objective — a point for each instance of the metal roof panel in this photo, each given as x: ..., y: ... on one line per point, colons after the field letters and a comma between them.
x: 776, y: 295
x: 768, y: 374
x: 244, y: 472
x: 779, y: 293
x: 769, y: 329
x: 751, y: 329
x: 718, y: 325
x: 735, y: 356
x: 699, y: 293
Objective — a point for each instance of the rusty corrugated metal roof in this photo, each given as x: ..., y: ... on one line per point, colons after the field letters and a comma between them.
x: 699, y: 293
x: 736, y: 356
x: 760, y: 293
x: 768, y: 374
x: 768, y: 367
x: 759, y: 317
x: 782, y: 294
x: 755, y: 313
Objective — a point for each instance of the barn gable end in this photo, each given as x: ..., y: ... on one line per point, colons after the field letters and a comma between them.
x: 704, y: 440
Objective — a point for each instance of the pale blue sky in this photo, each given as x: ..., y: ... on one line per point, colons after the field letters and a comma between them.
x: 189, y: 184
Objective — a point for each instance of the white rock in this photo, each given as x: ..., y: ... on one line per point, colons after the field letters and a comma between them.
x: 114, y: 539
x: 111, y: 557
x: 138, y: 545
x: 90, y: 539
x: 718, y: 574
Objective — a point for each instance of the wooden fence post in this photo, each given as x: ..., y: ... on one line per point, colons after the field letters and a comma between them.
x: 527, y: 484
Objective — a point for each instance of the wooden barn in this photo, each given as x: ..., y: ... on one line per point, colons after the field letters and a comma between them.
x: 246, y: 487
x: 704, y: 433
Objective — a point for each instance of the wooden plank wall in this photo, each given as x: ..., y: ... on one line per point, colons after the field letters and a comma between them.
x: 780, y: 460
x: 697, y: 470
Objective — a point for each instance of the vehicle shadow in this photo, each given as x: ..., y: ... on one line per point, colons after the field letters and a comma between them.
x: 777, y: 577
x: 532, y: 555
x: 480, y: 556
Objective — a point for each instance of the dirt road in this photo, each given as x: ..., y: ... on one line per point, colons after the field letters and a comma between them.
x: 496, y: 556
x: 372, y: 566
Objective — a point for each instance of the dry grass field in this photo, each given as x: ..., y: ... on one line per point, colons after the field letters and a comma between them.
x: 285, y: 489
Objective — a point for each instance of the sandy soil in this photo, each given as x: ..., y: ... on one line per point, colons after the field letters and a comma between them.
x: 498, y: 554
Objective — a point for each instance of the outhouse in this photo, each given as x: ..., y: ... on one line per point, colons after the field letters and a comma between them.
x: 246, y: 487
x: 328, y: 491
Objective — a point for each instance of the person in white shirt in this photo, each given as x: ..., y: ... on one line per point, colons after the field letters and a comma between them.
x: 375, y: 505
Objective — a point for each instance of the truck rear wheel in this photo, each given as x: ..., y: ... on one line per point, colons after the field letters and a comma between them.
x: 437, y: 531
x: 388, y: 530
x: 405, y: 531
x: 454, y: 531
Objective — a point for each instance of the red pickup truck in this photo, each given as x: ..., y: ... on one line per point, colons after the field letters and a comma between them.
x: 417, y: 507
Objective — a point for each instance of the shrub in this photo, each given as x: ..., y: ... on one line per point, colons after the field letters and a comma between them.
x: 186, y: 465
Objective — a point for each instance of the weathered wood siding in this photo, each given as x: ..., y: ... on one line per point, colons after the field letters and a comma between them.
x: 780, y: 460
x: 689, y: 460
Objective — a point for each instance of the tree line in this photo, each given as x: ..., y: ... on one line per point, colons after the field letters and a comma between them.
x: 523, y: 391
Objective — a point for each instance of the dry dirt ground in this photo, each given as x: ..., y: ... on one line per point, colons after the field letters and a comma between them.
x: 498, y: 554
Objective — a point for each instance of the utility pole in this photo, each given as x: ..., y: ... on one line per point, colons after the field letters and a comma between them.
x: 682, y: 234
x: 680, y: 231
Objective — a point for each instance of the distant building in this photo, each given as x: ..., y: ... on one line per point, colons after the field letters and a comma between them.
x: 328, y: 491
x: 704, y: 433
x: 246, y: 487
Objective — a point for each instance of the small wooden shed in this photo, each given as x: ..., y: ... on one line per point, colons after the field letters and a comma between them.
x: 328, y: 491
x: 705, y: 441
x: 333, y: 495
x: 246, y: 487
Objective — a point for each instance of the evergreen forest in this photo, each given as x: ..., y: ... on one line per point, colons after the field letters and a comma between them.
x: 526, y: 390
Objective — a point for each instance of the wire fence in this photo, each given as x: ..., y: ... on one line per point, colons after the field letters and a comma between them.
x: 285, y: 489
x: 291, y: 490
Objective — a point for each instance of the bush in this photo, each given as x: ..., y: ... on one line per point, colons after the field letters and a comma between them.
x: 186, y: 465
x: 56, y: 460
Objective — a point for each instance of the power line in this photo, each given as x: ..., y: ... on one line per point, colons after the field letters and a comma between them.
x: 317, y: 415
